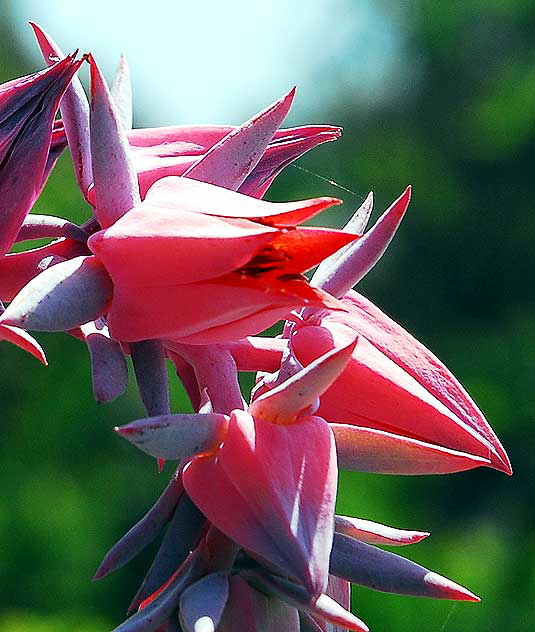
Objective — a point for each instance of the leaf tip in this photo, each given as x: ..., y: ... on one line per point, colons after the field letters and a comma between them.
x: 444, y: 588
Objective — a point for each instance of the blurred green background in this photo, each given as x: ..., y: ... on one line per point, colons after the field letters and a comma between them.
x: 453, y: 114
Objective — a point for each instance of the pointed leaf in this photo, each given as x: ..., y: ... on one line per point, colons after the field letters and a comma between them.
x: 74, y: 111
x: 361, y: 257
x: 356, y: 225
x: 148, y: 358
x: 121, y: 91
x: 27, y: 109
x: 62, y: 297
x: 280, y: 154
x: 18, y: 268
x: 202, y: 603
x: 230, y: 161
x: 108, y: 365
x: 159, y: 609
x: 376, y: 533
x: 176, y: 436
x: 144, y: 531
x: 363, y: 564
x: 180, y: 538
x: 39, y: 226
x: 115, y: 179
x: 301, y: 390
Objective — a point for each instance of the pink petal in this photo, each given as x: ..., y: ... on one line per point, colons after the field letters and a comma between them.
x: 297, y: 393
x: 303, y: 248
x: 115, y: 179
x: 158, y: 246
x: 369, y: 450
x: 426, y: 368
x: 232, y: 308
x: 232, y: 159
x: 389, y: 397
x: 251, y: 324
x: 257, y: 354
x: 171, y: 151
x: 205, y: 136
x: 376, y: 533
x: 22, y: 339
x: 199, y: 197
x: 272, y: 489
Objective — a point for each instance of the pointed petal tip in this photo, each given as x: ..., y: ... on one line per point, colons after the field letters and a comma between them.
x: 96, y: 76
x: 284, y: 103
x: 501, y: 463
x: 99, y: 574
x: 23, y: 340
x: 124, y: 431
x: 403, y: 200
x: 10, y: 321
x: 447, y: 589
x: 40, y: 355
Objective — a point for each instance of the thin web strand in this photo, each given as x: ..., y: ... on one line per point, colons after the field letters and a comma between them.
x: 448, y: 617
x: 331, y: 182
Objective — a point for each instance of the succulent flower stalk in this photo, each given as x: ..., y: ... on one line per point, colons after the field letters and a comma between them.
x: 182, y: 260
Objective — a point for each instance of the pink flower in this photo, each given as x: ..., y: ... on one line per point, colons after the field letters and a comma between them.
x: 266, y: 478
x: 203, y: 264
x: 395, y: 408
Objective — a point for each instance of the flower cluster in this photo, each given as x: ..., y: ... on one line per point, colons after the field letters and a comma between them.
x: 182, y: 260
